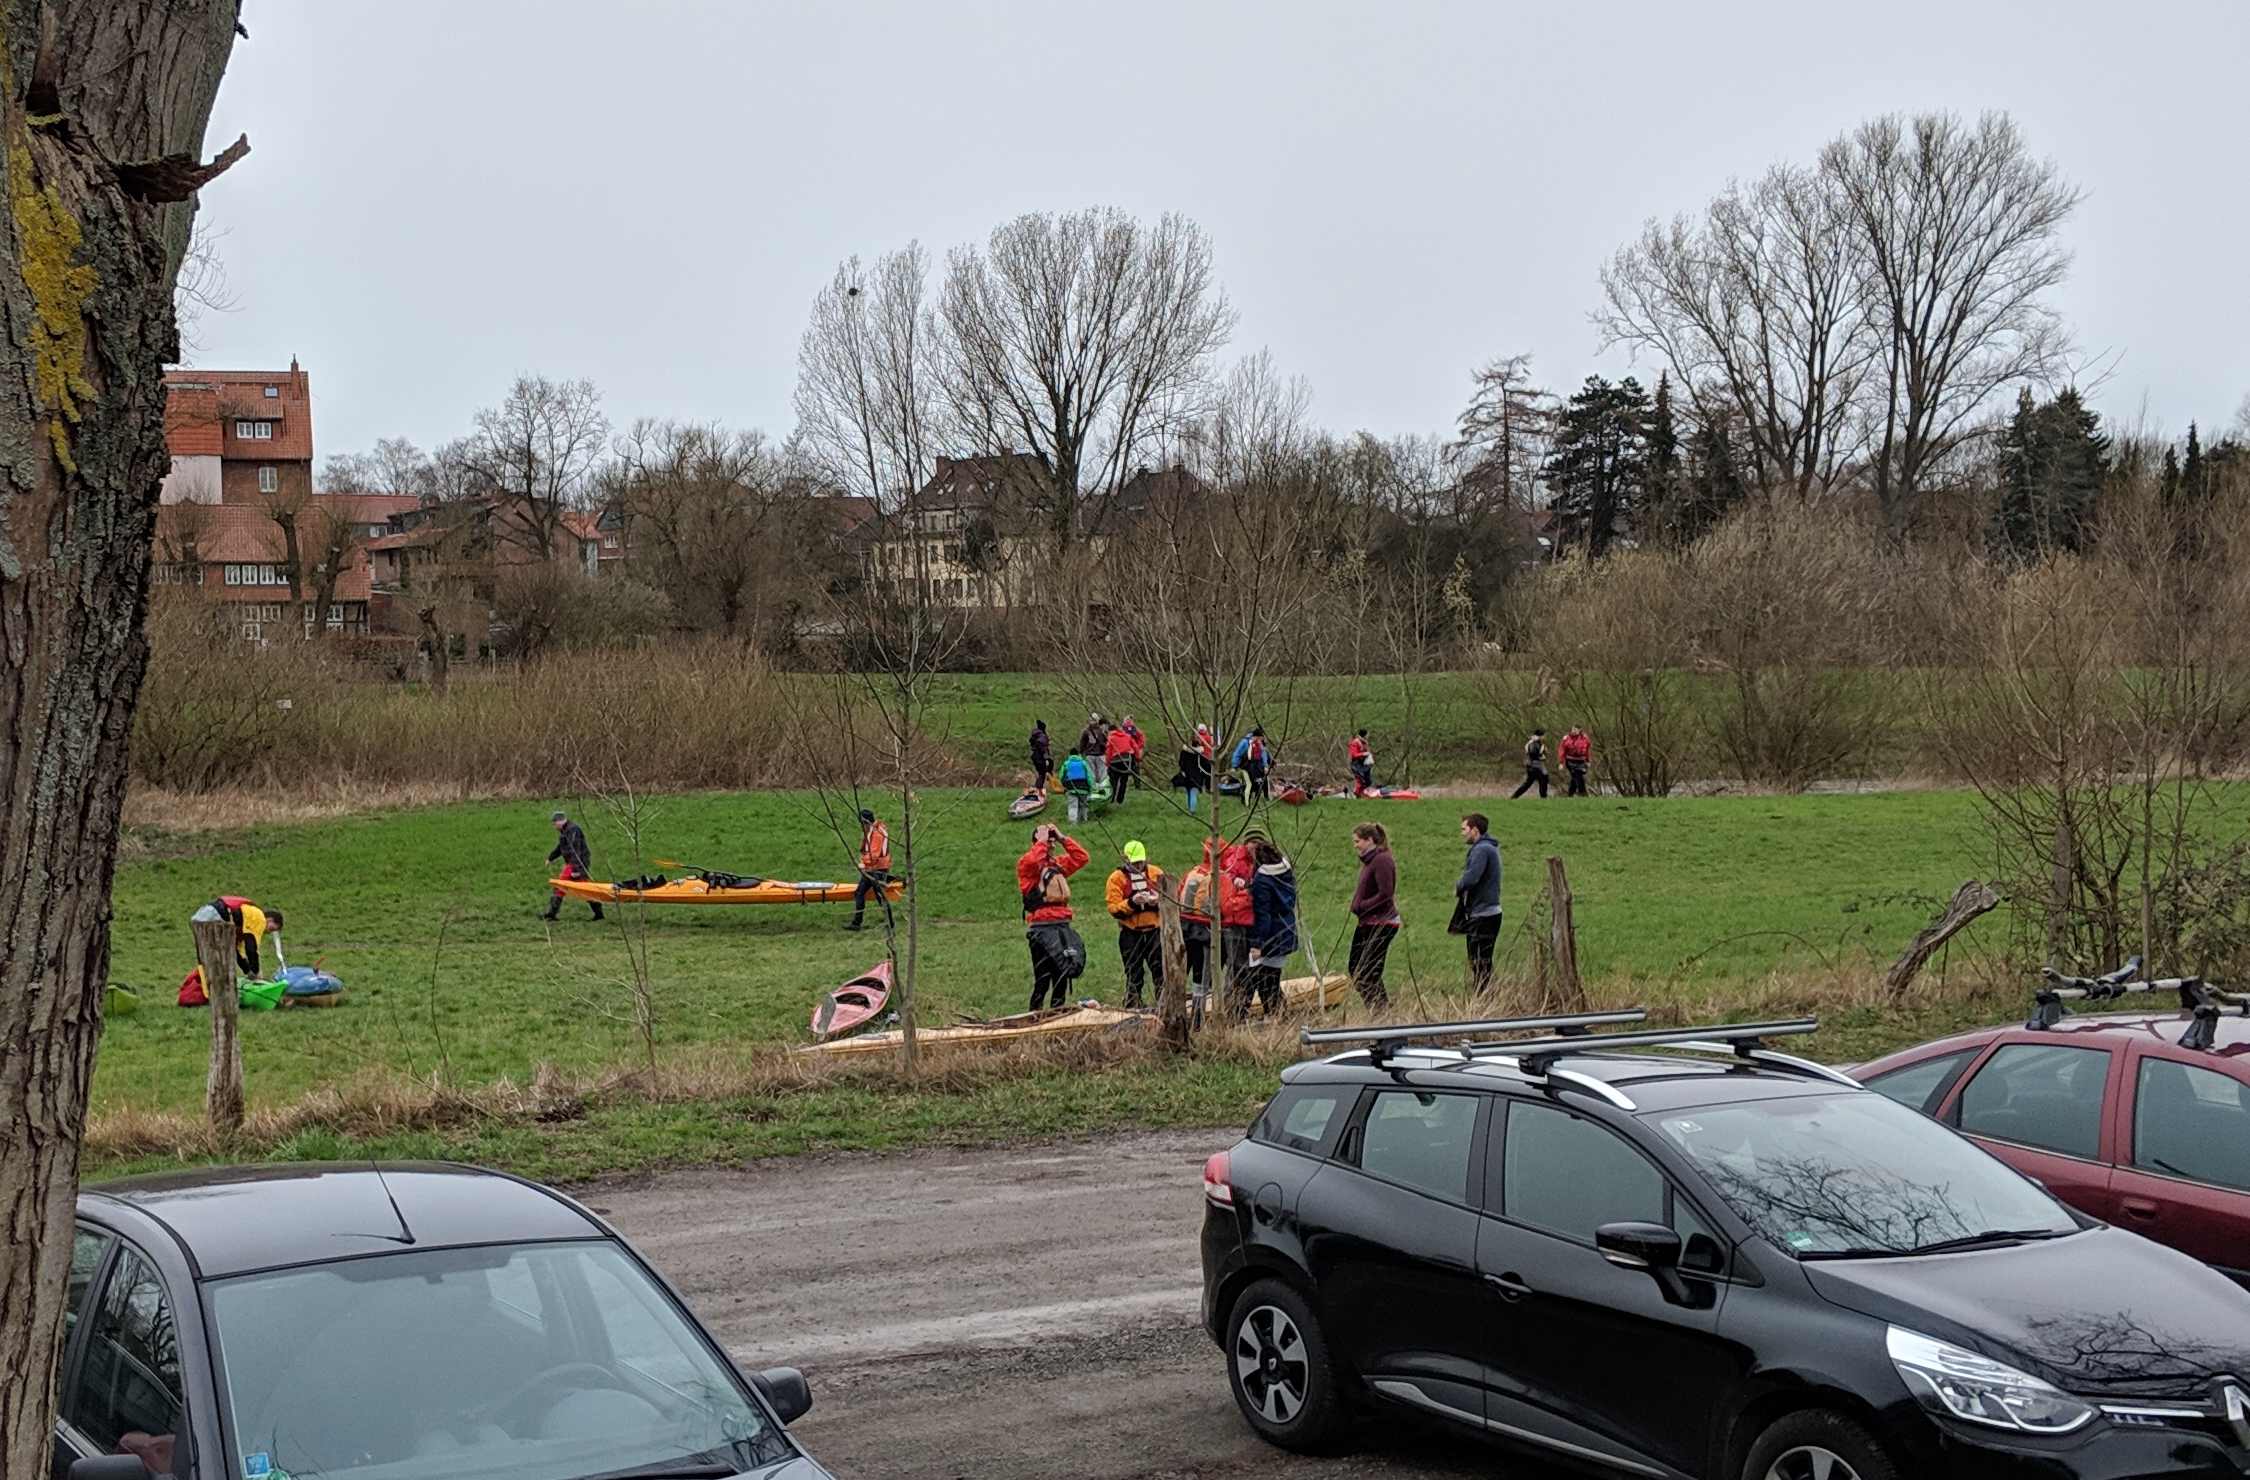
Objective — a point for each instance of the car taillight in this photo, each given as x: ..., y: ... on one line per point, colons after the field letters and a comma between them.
x: 1216, y: 1186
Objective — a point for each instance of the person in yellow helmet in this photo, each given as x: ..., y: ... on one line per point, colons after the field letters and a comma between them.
x: 1132, y: 898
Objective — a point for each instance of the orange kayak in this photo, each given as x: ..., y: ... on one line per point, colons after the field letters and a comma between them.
x: 697, y: 891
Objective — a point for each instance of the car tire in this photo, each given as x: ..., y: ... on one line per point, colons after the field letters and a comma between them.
x: 1818, y: 1442
x: 1279, y: 1368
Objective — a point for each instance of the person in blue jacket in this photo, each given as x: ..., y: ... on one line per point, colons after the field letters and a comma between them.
x: 1476, y: 895
x: 1078, y: 784
x: 1273, y: 927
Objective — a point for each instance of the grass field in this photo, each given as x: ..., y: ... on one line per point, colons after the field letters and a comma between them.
x: 1689, y: 899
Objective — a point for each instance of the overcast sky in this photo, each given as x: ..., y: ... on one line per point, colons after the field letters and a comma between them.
x: 444, y: 193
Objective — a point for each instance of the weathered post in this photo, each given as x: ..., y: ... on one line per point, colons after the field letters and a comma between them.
x: 1172, y: 994
x: 222, y: 1091
x: 1562, y: 949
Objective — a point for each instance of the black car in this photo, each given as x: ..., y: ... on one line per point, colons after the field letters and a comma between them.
x: 1723, y: 1263
x: 407, y: 1322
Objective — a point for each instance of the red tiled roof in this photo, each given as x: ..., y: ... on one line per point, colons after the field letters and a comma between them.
x: 583, y: 526
x: 428, y: 534
x: 373, y: 508
x: 241, y: 395
x: 242, y: 534
x: 191, y: 422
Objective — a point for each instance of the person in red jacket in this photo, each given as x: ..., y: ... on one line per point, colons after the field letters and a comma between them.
x: 1058, y: 956
x: 1118, y: 755
x: 1577, y: 754
x: 1362, y: 757
x: 1237, y: 914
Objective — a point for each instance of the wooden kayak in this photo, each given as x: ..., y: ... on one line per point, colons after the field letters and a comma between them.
x: 854, y: 1003
x: 1022, y: 1027
x: 698, y: 891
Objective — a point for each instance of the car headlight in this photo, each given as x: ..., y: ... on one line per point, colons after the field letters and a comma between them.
x: 1960, y: 1384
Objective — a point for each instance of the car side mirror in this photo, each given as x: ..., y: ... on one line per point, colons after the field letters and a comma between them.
x: 1650, y: 1247
x: 783, y: 1387
x: 109, y: 1467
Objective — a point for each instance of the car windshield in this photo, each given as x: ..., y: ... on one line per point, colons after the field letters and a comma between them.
x: 1835, y: 1175
x: 551, y: 1360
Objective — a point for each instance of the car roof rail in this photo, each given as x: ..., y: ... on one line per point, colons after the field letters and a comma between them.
x: 1380, y: 1041
x: 1743, y: 1040
x: 2205, y: 1001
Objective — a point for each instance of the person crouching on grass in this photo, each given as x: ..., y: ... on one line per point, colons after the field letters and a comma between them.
x: 577, y: 861
x: 1058, y: 956
x: 1132, y: 898
x: 1374, y: 912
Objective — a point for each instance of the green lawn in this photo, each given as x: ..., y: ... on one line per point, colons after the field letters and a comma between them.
x: 1687, y: 895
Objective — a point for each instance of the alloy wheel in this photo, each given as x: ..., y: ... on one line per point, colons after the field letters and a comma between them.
x: 1811, y: 1462
x: 1269, y: 1361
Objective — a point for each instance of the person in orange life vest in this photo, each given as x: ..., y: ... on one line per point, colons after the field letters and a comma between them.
x: 1577, y: 754
x: 1043, y: 879
x: 874, y: 867
x: 1195, y: 927
x: 1363, y: 764
x: 1132, y: 899
x: 1118, y: 755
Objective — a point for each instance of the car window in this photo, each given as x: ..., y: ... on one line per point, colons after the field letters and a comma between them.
x: 1306, y: 1118
x: 86, y: 1251
x: 2046, y: 1095
x: 2193, y: 1123
x: 1421, y: 1140
x: 1570, y: 1176
x: 1921, y: 1086
x: 127, y: 1396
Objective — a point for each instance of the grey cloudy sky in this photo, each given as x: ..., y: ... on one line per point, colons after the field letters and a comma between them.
x: 445, y: 192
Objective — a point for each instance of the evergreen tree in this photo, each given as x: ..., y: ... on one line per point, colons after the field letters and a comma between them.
x: 1661, y: 498
x: 2169, y: 488
x: 1714, y: 483
x: 1598, y: 470
x: 2053, y: 462
x: 2195, y: 482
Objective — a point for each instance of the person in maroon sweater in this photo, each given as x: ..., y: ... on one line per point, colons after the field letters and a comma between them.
x: 1374, y: 911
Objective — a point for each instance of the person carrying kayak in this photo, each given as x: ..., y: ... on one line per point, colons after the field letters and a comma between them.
x: 1577, y: 754
x: 1042, y: 755
x: 1043, y: 873
x: 577, y: 861
x: 874, y: 867
x: 1118, y: 757
x: 1374, y: 912
x: 1362, y: 758
x: 1132, y: 898
x: 1078, y: 784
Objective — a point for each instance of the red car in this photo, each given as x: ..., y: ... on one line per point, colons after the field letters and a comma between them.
x: 2110, y: 1112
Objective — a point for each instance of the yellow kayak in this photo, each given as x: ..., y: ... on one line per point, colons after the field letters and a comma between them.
x: 699, y: 891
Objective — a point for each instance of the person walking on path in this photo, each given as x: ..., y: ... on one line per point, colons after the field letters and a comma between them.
x: 1093, y: 743
x: 1118, y: 757
x: 1577, y: 754
x: 874, y: 868
x: 1078, y: 784
x: 1043, y: 873
x: 1362, y: 757
x: 1273, y: 930
x: 1477, y: 899
x: 577, y: 861
x: 1132, y: 897
x: 1042, y: 755
x: 1374, y: 911
x: 1534, y: 764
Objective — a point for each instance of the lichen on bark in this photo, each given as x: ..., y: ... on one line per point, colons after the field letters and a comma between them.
x: 48, y: 237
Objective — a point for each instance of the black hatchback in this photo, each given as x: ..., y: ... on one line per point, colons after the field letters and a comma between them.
x: 1681, y: 1254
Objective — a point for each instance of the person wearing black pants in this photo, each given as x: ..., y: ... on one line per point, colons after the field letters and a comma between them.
x: 1534, y: 764
x: 1132, y: 895
x: 1477, y: 896
x: 1375, y: 907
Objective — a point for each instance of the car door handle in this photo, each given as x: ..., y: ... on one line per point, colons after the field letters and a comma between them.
x: 1510, y: 1285
x: 2140, y: 1209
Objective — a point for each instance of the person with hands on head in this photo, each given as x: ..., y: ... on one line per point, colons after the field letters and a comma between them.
x: 1043, y: 873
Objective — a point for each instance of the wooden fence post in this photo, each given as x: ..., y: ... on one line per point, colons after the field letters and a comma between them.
x: 1173, y: 993
x: 222, y: 1091
x: 1563, y: 939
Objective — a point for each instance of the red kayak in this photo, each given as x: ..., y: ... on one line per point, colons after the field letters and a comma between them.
x: 853, y: 1004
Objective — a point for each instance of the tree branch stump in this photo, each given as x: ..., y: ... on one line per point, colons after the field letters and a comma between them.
x: 1971, y: 900
x: 1562, y: 946
x: 222, y: 1091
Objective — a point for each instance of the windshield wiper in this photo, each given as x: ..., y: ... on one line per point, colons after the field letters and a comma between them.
x: 1989, y: 1237
x: 686, y: 1467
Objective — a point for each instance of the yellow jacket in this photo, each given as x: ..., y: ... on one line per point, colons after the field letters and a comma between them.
x: 1128, y: 915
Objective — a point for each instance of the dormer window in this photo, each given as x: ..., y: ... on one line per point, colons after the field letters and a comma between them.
x: 254, y: 431
x: 273, y: 392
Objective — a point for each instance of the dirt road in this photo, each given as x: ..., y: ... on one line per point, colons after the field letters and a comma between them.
x: 992, y: 1314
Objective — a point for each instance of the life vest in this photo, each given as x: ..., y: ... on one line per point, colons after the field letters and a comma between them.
x: 875, y: 853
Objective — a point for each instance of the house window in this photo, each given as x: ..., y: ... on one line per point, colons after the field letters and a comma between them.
x: 234, y: 575
x: 272, y: 391
x: 250, y: 631
x: 254, y: 431
x: 269, y: 480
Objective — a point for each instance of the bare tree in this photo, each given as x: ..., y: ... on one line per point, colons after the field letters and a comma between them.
x: 866, y: 379
x: 1758, y: 305
x: 1084, y: 339
x: 533, y: 454
x: 1501, y: 439
x: 202, y: 287
x: 1958, y: 229
x: 102, y: 122
x: 395, y: 467
x: 331, y: 544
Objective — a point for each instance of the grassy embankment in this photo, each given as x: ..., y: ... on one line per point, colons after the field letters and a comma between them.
x: 1697, y: 906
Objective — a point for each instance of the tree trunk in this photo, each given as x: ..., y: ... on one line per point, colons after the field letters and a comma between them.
x: 1971, y: 900
x: 2058, y: 896
x: 222, y: 1089
x: 1172, y: 995
x: 1562, y: 947
x: 293, y: 556
x: 434, y: 635
x: 96, y: 99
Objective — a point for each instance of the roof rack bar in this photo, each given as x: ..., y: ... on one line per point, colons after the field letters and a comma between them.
x: 1572, y: 1079
x: 2203, y: 999
x: 1564, y: 1023
x: 1731, y: 1034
